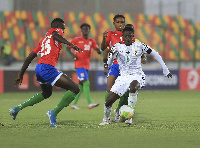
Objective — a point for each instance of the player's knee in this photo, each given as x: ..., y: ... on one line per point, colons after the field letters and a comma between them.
x: 46, y: 94
x: 133, y: 88
x: 76, y: 89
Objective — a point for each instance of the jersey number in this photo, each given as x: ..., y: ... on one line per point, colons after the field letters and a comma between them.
x: 46, y: 48
x: 86, y: 47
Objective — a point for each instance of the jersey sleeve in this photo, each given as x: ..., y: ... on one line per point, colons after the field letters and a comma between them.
x: 37, y: 49
x: 59, y: 31
x: 145, y: 48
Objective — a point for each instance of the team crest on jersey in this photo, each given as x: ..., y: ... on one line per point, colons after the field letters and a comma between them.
x: 135, y: 53
x: 90, y: 42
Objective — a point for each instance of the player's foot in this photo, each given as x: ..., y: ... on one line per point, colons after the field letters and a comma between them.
x: 129, y: 121
x: 13, y: 112
x: 105, y: 121
x: 74, y: 107
x: 92, y: 105
x: 117, y: 116
x: 52, y: 118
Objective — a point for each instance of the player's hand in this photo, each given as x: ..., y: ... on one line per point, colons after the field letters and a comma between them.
x: 75, y: 58
x: 76, y: 48
x: 18, y: 81
x: 144, y: 59
x: 169, y: 75
x: 105, y: 71
x: 105, y: 34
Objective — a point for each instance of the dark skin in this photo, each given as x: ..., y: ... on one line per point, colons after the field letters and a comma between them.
x: 134, y: 85
x: 85, y: 33
x: 64, y: 81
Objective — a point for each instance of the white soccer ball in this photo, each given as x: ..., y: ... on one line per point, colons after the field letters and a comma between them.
x: 126, y: 111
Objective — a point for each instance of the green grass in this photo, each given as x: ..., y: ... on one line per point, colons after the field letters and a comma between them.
x: 161, y: 119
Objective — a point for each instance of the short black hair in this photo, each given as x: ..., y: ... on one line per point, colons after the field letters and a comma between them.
x: 118, y: 15
x: 85, y: 24
x: 128, y: 29
x: 55, y: 22
x: 129, y: 25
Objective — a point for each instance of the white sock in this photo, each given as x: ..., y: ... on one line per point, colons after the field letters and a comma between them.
x: 107, y: 111
x: 132, y: 99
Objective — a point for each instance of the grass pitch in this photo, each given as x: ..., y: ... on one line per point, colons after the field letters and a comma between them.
x: 161, y: 119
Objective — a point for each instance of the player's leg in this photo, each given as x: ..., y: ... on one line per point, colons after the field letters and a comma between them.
x: 112, y: 97
x: 72, y: 88
x: 74, y: 105
x: 132, y: 99
x: 66, y: 83
x: 46, y: 93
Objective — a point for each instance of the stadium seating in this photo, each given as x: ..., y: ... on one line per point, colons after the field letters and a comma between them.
x: 173, y: 37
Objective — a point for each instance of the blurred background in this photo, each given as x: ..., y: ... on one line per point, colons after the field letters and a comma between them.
x: 171, y: 27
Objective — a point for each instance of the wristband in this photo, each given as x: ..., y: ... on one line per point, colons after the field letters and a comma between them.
x: 105, y: 61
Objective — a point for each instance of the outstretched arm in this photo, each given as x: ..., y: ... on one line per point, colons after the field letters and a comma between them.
x: 59, y: 38
x: 166, y: 72
x: 28, y: 60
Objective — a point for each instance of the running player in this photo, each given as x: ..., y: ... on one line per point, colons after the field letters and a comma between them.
x: 109, y: 39
x: 82, y: 63
x: 47, y: 75
x: 131, y: 76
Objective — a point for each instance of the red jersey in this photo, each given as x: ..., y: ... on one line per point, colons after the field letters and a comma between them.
x: 48, y: 48
x: 86, y: 45
x: 113, y: 38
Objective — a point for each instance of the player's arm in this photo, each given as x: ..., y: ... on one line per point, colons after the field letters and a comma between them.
x: 112, y: 55
x: 28, y: 60
x: 105, y: 59
x: 71, y: 53
x: 156, y: 55
x: 104, y: 44
x: 144, y: 59
x: 59, y: 38
x: 98, y: 50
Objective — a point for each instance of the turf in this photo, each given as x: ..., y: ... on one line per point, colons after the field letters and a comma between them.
x: 161, y: 119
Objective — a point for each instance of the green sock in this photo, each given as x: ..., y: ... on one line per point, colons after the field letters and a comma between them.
x: 31, y: 101
x: 106, y: 96
x: 123, y: 100
x: 67, y: 98
x: 86, y: 91
x: 78, y: 95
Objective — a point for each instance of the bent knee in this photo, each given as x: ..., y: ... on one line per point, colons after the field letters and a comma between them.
x: 46, y: 95
x: 76, y: 89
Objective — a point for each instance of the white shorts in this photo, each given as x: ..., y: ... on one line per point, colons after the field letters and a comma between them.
x: 122, y: 83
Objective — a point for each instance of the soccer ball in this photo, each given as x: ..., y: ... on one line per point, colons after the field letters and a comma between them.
x: 126, y: 111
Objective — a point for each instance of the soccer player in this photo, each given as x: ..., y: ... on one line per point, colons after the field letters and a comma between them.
x: 109, y: 39
x: 47, y: 75
x: 82, y: 63
x: 131, y: 76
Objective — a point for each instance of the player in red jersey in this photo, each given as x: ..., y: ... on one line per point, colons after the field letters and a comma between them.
x: 82, y: 63
x: 109, y: 39
x: 47, y: 75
